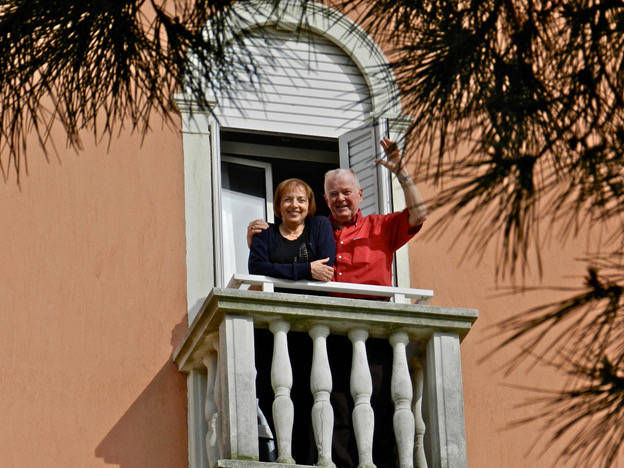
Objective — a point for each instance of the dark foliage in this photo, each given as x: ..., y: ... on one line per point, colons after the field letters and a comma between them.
x: 583, y: 337
x: 97, y: 65
x: 518, y: 110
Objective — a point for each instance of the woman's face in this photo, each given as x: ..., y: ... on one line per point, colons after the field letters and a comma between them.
x: 294, y: 205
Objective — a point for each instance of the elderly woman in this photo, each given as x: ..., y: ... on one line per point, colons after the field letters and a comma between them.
x: 301, y: 245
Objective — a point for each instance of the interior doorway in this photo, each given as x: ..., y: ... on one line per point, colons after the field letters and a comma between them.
x: 252, y: 165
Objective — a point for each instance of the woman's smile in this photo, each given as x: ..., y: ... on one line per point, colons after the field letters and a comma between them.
x: 294, y: 206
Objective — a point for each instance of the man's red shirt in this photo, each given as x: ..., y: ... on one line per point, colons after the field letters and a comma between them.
x: 365, y: 247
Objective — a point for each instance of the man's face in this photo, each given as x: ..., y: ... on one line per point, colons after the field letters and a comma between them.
x: 343, y: 197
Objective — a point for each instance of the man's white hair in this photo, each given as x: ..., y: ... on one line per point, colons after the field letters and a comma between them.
x: 340, y: 172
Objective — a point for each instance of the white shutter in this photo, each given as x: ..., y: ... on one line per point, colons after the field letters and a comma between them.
x: 358, y: 150
x: 299, y: 83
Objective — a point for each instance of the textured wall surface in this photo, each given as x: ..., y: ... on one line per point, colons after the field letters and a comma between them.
x: 92, y: 304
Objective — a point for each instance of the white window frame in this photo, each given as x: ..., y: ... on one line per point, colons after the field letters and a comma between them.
x: 201, y: 137
x: 268, y: 194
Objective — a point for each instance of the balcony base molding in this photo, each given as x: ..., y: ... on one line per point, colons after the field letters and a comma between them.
x: 227, y: 463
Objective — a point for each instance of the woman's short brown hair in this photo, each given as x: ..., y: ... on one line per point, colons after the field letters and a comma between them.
x: 285, y: 185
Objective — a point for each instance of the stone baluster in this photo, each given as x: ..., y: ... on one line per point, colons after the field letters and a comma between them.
x: 361, y: 390
x: 321, y: 387
x: 210, y: 407
x: 401, y: 392
x: 420, y: 461
x: 281, y: 381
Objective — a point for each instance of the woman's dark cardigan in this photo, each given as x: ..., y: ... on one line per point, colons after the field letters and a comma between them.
x: 320, y: 245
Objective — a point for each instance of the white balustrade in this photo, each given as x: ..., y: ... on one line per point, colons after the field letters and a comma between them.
x: 321, y: 387
x: 221, y: 340
x: 267, y: 283
x: 281, y: 381
x: 361, y: 390
x: 401, y: 392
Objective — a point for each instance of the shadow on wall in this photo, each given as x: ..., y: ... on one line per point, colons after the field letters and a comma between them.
x: 153, y: 431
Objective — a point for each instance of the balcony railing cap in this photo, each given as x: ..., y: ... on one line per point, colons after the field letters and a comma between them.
x: 420, y: 296
x: 303, y: 311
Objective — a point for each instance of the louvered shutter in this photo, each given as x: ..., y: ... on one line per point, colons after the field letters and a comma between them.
x: 300, y: 84
x: 358, y: 150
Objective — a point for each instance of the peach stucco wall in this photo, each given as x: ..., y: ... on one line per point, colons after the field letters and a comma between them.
x: 92, y: 303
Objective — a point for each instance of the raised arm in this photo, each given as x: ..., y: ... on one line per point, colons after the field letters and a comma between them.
x: 413, y: 199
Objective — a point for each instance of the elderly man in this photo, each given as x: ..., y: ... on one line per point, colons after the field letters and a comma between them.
x: 365, y: 244
x: 364, y: 252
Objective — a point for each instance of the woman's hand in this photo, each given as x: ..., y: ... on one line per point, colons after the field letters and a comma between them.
x: 320, y: 271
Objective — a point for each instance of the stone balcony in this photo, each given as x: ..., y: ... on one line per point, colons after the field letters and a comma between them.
x: 426, y: 385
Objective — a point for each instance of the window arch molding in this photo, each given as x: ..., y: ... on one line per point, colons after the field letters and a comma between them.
x: 314, y: 17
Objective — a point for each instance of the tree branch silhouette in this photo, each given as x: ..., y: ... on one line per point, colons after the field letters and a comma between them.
x: 518, y: 111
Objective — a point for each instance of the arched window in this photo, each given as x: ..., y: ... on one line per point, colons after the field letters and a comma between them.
x: 322, y: 96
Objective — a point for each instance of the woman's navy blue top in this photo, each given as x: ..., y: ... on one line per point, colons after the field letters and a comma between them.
x: 320, y: 244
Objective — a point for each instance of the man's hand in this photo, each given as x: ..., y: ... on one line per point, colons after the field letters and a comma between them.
x: 394, y: 161
x: 413, y: 199
x: 255, y: 227
x: 320, y: 271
